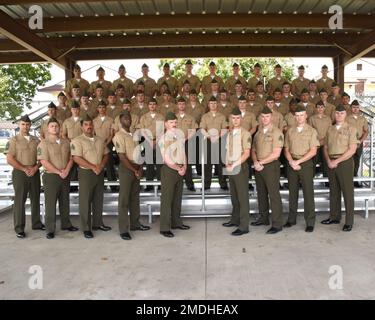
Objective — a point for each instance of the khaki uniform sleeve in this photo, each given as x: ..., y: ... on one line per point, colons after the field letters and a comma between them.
x: 10, y: 147
x: 119, y: 144
x: 42, y: 151
x: 286, y: 140
x: 314, y: 142
x: 353, y: 136
x: 278, y: 140
x: 76, y: 148
x: 224, y: 123
x: 246, y: 140
x: 203, y: 124
x: 254, y: 122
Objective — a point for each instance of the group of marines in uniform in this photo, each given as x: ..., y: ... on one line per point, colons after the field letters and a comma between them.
x: 257, y: 126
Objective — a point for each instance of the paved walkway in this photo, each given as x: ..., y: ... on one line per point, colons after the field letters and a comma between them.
x: 202, y: 263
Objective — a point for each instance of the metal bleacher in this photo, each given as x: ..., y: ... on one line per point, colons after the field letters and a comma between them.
x: 216, y: 202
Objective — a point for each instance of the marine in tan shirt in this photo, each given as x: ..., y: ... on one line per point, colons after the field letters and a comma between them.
x: 127, y: 83
x: 335, y: 96
x: 320, y: 122
x: 169, y: 79
x: 193, y: 80
x: 149, y: 83
x: 280, y: 105
x: 339, y: 147
x: 152, y: 122
x: 277, y: 81
x: 21, y: 154
x: 224, y: 106
x: 113, y: 107
x: 301, y: 142
x: 83, y: 84
x: 139, y: 106
x: 207, y: 80
x: 63, y: 111
x: 91, y: 155
x: 71, y: 127
x: 277, y: 118
x: 52, y: 113
x: 233, y: 79
x: 300, y: 83
x: 103, y: 125
x: 106, y: 85
x: 267, y: 146
x: 193, y: 107
x: 254, y: 80
x: 248, y: 119
x: 357, y: 120
x: 324, y: 82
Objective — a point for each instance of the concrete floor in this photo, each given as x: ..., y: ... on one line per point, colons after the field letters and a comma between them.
x: 202, y: 263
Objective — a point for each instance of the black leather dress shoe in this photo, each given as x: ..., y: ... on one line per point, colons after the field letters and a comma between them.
x: 251, y: 188
x: 167, y: 234
x: 347, y: 227
x: 207, y: 188
x: 329, y: 221
x: 191, y: 188
x: 21, y: 235
x: 149, y: 188
x: 50, y: 235
x: 42, y: 227
x: 224, y: 187
x: 72, y: 228
x: 182, y: 227
x: 88, y: 234
x: 239, y: 232
x: 259, y: 223
x: 103, y: 228
x: 357, y: 184
x: 288, y: 225
x: 229, y: 224
x: 273, y: 230
x: 125, y: 236
x: 141, y: 227
x: 309, y: 229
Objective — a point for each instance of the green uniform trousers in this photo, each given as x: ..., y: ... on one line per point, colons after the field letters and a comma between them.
x: 128, y: 201
x: 24, y: 185
x: 239, y: 192
x: 56, y: 189
x: 171, y: 198
x: 341, y: 180
x: 305, y: 177
x: 268, y: 190
x: 91, y: 189
x: 357, y: 158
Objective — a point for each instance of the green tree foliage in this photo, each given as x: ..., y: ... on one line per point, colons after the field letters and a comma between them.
x: 18, y: 86
x: 224, y: 66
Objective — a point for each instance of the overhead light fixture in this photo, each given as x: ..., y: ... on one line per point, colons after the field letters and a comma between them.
x: 203, y: 12
x: 269, y: 31
x: 81, y: 15
x: 280, y: 12
x: 111, y: 14
x: 190, y: 31
x: 172, y: 13
x: 142, y: 13
x: 157, y: 13
x: 295, y: 12
x: 96, y: 15
x: 124, y: 33
x: 234, y: 12
x: 217, y: 31
x: 163, y: 32
x: 282, y: 31
x: 243, y: 31
x: 66, y: 16
x: 187, y: 12
x: 177, y: 32
x: 218, y: 12
x: 249, y: 12
x: 256, y: 31
x: 137, y: 33
x: 126, y: 13
x: 264, y: 12
x: 98, y: 34
x: 310, y: 12
x: 150, y: 33
x: 203, y: 31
